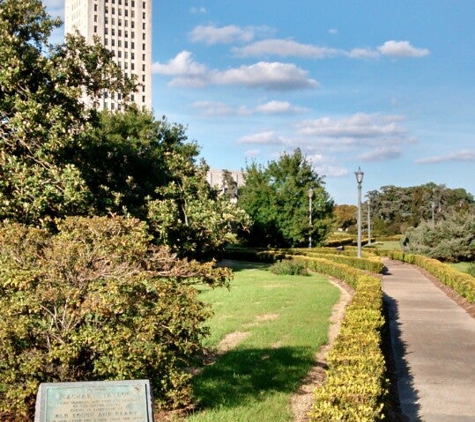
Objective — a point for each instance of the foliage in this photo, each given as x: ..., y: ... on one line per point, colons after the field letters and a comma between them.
x: 287, y: 267
x: 394, y: 209
x: 72, y: 302
x: 355, y: 387
x: 471, y: 270
x: 189, y: 215
x: 42, y: 114
x: 463, y: 284
x: 370, y: 263
x: 451, y: 239
x: 345, y: 216
x: 276, y: 198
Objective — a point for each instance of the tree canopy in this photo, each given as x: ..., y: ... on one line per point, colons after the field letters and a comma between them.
x: 42, y: 113
x: 277, y: 199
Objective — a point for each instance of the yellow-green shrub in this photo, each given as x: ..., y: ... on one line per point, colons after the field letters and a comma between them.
x: 463, y: 284
x: 96, y: 301
x: 355, y: 387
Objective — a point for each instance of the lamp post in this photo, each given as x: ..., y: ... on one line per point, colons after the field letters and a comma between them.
x: 310, y: 224
x: 359, y: 179
x: 369, y: 221
x: 432, y: 205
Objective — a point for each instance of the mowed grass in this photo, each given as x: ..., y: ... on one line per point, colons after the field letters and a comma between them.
x: 462, y: 266
x: 273, y: 326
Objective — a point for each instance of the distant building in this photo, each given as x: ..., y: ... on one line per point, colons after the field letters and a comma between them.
x: 125, y: 28
x: 215, y: 178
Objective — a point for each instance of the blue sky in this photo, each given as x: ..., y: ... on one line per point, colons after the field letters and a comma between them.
x: 388, y: 86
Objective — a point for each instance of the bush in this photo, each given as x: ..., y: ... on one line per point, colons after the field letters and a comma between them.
x: 288, y: 268
x: 471, y: 270
x: 94, y: 302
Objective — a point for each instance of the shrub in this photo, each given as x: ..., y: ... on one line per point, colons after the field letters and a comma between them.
x: 93, y: 302
x: 471, y: 270
x: 288, y: 268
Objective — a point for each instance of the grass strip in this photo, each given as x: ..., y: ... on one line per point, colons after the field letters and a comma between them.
x: 285, y: 321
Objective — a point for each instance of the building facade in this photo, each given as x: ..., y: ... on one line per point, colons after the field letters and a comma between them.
x: 125, y: 28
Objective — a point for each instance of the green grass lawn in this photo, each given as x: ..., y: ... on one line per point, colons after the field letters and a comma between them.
x: 462, y: 266
x: 280, y: 322
x: 387, y: 245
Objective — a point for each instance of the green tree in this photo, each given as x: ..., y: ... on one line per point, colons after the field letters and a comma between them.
x: 96, y: 301
x: 345, y: 216
x: 42, y: 113
x: 276, y: 198
x: 189, y: 215
x: 452, y: 238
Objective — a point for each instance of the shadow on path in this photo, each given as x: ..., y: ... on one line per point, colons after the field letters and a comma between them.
x: 402, y: 379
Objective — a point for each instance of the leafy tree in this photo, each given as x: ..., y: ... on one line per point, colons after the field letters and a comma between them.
x: 345, y: 216
x: 276, y: 197
x: 96, y: 301
x: 190, y: 216
x: 394, y: 209
x: 450, y: 239
x: 42, y: 112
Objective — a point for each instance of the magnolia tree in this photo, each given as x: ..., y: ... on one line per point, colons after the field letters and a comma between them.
x: 41, y: 113
x: 96, y: 301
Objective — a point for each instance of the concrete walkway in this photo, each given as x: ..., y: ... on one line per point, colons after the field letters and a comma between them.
x: 434, y: 348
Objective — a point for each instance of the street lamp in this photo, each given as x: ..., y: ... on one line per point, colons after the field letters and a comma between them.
x: 359, y: 178
x: 369, y: 221
x: 310, y: 196
x: 432, y: 205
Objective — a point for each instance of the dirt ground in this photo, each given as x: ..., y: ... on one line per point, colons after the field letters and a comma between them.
x: 303, y: 398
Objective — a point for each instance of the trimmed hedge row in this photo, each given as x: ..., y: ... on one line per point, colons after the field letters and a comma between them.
x: 369, y: 263
x: 463, y: 284
x: 355, y: 388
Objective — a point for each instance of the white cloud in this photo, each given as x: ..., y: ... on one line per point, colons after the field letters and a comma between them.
x: 278, y: 107
x: 184, y: 69
x: 330, y: 171
x: 217, y: 108
x: 273, y: 76
x: 382, y: 154
x: 400, y: 49
x: 225, y: 35
x: 285, y: 48
x: 363, y: 53
x: 459, y: 156
x: 359, y: 125
x: 262, y: 138
x: 333, y: 31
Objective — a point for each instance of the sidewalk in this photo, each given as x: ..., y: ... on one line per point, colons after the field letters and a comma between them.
x: 434, y: 348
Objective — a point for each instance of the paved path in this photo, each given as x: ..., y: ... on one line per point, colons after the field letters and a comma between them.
x: 434, y: 347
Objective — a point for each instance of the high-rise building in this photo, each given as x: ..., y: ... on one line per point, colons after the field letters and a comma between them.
x: 125, y: 28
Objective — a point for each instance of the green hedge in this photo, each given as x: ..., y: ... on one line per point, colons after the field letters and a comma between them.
x: 355, y: 388
x: 369, y: 263
x: 463, y: 284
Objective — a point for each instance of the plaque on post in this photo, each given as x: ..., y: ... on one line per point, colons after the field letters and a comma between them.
x: 94, y: 401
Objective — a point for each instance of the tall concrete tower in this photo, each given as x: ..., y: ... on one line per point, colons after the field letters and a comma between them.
x: 125, y: 27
